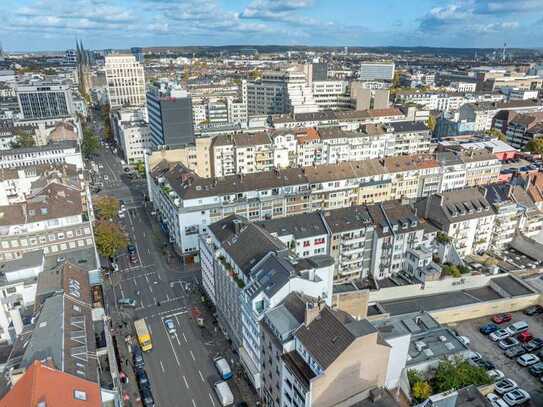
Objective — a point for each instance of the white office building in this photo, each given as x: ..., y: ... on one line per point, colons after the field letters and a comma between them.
x: 125, y: 81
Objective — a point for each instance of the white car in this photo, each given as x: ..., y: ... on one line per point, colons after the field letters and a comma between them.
x: 505, y: 386
x: 508, y: 343
x: 499, y: 335
x: 516, y: 397
x: 464, y: 339
x: 496, y: 401
x: 474, y: 356
x: 528, y: 359
x: 170, y: 326
x: 495, y: 374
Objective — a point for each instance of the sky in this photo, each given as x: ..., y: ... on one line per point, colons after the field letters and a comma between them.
x: 37, y: 25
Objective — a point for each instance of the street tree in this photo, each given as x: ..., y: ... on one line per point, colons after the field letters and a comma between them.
x: 106, y: 207
x: 23, y: 140
x: 109, y: 238
x: 536, y: 145
x: 90, y: 143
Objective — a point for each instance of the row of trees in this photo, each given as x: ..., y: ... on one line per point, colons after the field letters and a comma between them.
x: 449, y: 375
x: 110, y: 238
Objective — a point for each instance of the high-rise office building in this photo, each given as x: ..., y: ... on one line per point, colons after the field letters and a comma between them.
x: 170, y: 116
x: 125, y: 81
x: 44, y: 100
x: 138, y: 53
x: 376, y: 71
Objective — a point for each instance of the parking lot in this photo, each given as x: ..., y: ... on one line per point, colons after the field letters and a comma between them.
x: 492, y: 352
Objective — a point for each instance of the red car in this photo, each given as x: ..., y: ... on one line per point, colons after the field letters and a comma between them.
x: 525, y: 336
x: 501, y: 318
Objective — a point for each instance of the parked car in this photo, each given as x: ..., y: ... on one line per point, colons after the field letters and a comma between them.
x: 508, y: 343
x: 533, y: 310
x: 499, y: 335
x: 495, y: 400
x: 525, y: 337
x: 170, y: 326
x: 464, y: 339
x: 536, y: 369
x: 517, y: 327
x: 131, y: 248
x: 495, y: 374
x: 505, y: 386
x: 488, y: 329
x: 147, y: 397
x: 533, y: 345
x: 528, y: 359
x: 514, y: 352
x: 502, y: 318
x: 485, y: 364
x: 474, y: 356
x: 143, y: 379
x: 516, y: 397
x: 137, y: 357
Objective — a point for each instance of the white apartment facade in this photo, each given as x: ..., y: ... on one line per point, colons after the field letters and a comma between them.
x: 135, y: 140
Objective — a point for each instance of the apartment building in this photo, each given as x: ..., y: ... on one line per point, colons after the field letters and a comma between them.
x: 63, y: 152
x: 322, y: 357
x: 445, y: 102
x: 247, y: 153
x: 134, y: 140
x: 188, y: 203
x: 125, y: 80
x: 332, y: 95
x: 523, y: 127
x: 246, y: 272
x: 465, y: 215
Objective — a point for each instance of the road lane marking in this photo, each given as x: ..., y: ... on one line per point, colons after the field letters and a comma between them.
x: 151, y: 289
x: 177, y: 338
x: 135, y: 283
x: 201, y: 376
x: 171, y: 344
x: 193, y: 403
x: 184, y: 337
x: 162, y: 367
x: 186, y: 383
x: 192, y: 355
x: 121, y: 288
x: 211, y: 398
x: 150, y: 331
x: 147, y: 278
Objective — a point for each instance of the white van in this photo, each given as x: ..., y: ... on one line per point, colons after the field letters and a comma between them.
x: 224, y: 394
x: 222, y: 366
x: 517, y: 327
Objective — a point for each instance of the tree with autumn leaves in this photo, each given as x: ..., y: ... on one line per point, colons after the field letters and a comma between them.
x: 110, y: 238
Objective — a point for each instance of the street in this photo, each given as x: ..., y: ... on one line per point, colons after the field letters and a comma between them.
x: 180, y: 365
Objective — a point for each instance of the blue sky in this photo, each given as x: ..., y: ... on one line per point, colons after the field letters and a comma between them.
x: 54, y: 24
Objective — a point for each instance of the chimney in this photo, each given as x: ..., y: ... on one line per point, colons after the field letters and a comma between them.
x: 237, y: 226
x: 312, y: 311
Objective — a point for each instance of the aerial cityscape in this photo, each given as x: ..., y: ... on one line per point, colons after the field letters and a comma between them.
x: 276, y: 203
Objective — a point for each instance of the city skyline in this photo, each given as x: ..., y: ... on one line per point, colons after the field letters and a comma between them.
x: 37, y: 25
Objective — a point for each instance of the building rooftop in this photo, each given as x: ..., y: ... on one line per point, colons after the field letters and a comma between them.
x: 300, y: 226
x: 346, y: 219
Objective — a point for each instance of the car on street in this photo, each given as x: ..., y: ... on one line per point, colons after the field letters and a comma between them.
x: 533, y: 310
x: 514, y: 352
x: 505, y: 386
x: 528, y: 359
x: 516, y: 397
x: 508, y: 343
x: 495, y: 374
x: 525, y: 337
x: 147, y: 397
x: 502, y: 318
x: 170, y: 326
x: 488, y: 329
x: 499, y: 335
x: 536, y: 369
x: 127, y: 302
x: 131, y: 248
x: 533, y: 345
x: 495, y: 400
x: 115, y: 266
x: 143, y: 379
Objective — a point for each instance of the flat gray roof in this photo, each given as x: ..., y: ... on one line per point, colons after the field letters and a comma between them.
x: 512, y: 286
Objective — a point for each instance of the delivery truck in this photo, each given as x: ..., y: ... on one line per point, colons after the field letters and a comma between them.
x: 144, y: 337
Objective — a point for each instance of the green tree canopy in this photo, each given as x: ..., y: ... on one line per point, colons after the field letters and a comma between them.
x: 536, y: 145
x: 495, y: 133
x: 23, y: 140
x: 106, y: 207
x: 109, y: 238
x: 457, y: 374
x: 431, y: 123
x: 90, y: 144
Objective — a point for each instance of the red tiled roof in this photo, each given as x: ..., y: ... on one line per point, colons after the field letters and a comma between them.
x: 45, y: 384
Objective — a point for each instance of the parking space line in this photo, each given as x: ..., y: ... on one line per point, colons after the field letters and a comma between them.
x: 192, y: 355
x: 211, y: 398
x: 201, y: 376
x: 193, y: 403
x: 162, y: 367
x: 184, y: 337
x: 186, y: 383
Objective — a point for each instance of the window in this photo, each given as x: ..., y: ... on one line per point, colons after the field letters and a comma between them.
x: 80, y: 395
